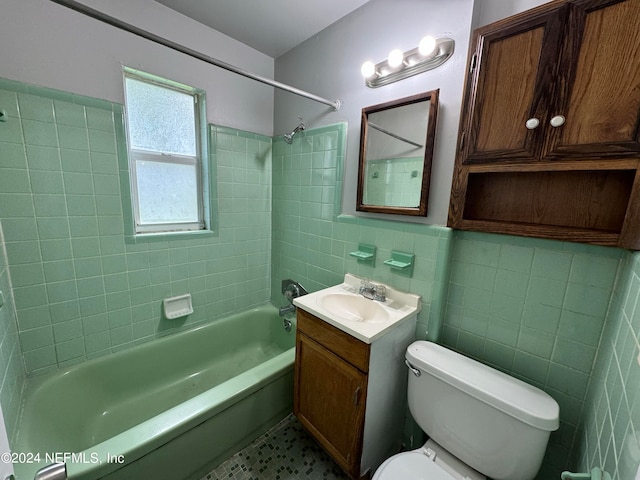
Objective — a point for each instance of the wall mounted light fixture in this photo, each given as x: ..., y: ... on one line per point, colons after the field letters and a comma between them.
x: 429, y: 54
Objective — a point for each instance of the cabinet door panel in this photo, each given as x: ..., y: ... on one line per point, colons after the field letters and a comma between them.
x: 512, y: 84
x: 336, y: 416
x: 603, y: 97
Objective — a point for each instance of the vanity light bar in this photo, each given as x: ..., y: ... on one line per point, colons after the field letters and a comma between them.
x: 412, y: 62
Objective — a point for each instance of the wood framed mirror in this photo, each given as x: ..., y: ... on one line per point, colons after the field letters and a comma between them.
x: 396, y: 151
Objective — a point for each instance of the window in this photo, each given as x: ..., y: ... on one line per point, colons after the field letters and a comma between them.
x: 163, y: 124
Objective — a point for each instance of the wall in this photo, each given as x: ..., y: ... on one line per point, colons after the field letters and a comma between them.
x: 534, y: 309
x: 610, y: 431
x: 328, y: 64
x: 58, y: 48
x: 312, y: 245
x: 488, y: 11
x: 80, y: 289
x: 11, y: 367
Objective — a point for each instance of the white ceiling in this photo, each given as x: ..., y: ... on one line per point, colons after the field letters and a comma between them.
x: 270, y: 26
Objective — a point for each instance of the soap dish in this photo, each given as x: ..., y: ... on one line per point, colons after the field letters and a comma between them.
x: 401, y: 263
x: 176, y: 307
x: 365, y: 253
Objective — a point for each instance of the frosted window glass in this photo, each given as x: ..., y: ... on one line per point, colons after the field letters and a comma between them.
x: 167, y: 192
x: 160, y: 119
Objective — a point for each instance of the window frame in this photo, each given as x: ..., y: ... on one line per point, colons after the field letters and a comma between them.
x: 136, y: 155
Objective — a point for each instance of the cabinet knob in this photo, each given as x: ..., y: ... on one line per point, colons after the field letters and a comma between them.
x: 532, y: 123
x: 557, y: 121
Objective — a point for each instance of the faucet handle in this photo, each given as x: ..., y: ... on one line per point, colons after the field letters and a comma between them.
x: 381, y: 293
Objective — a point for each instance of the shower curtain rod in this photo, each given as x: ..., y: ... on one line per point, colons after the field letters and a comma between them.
x: 103, y: 17
x: 394, y: 135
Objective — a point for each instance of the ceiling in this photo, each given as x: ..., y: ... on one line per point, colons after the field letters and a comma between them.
x: 272, y: 27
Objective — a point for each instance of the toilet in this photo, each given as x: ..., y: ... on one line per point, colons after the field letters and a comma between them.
x: 480, y: 422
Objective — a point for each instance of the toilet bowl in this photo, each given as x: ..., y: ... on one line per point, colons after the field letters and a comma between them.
x: 429, y: 462
x: 480, y: 422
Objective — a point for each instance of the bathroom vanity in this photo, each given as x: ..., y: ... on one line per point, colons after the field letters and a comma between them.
x: 350, y: 377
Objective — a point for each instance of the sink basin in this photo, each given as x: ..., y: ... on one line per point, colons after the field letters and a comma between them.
x: 367, y: 320
x: 354, y: 308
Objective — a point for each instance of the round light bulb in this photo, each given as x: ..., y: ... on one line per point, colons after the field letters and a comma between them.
x: 395, y: 59
x: 368, y: 69
x: 427, y: 45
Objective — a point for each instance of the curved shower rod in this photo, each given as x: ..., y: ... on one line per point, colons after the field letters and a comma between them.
x: 103, y: 17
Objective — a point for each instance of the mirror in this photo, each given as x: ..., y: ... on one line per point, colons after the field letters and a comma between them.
x: 396, y: 150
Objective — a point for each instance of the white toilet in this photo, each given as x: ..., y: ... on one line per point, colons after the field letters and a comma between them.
x: 479, y: 421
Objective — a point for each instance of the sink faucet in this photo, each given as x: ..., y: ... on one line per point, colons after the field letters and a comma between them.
x: 372, y: 291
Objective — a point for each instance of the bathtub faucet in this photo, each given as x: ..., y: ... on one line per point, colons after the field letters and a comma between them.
x: 291, y: 308
x: 290, y: 290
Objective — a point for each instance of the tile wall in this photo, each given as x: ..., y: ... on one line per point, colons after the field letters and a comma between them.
x: 610, y: 433
x: 12, y: 373
x: 312, y: 242
x: 394, y: 181
x: 534, y: 309
x: 80, y: 289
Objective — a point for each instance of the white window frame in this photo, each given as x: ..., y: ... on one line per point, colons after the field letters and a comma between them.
x: 165, y: 157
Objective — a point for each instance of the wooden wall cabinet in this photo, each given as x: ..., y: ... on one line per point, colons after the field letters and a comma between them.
x: 350, y: 395
x: 549, y: 142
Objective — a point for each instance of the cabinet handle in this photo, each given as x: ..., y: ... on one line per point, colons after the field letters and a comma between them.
x: 356, y: 394
x: 557, y: 121
x: 532, y: 123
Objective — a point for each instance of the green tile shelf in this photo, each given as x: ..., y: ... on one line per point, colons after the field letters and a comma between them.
x: 365, y: 254
x: 401, y: 262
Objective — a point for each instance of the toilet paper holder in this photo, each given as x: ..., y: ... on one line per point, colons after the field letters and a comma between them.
x: 596, y: 474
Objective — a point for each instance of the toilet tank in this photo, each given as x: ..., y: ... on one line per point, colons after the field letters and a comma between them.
x: 491, y: 421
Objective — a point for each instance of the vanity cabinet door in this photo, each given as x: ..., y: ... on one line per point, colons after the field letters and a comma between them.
x: 598, y: 96
x: 510, y: 87
x: 329, y: 400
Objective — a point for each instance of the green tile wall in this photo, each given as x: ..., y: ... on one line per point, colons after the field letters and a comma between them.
x: 12, y: 372
x: 609, y: 435
x: 534, y: 309
x: 312, y: 242
x: 81, y: 290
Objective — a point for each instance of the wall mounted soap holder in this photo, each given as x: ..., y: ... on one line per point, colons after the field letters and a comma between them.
x: 401, y: 263
x: 176, y: 307
x: 365, y: 254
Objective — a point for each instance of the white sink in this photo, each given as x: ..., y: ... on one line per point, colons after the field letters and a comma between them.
x: 343, y: 307
x: 354, y: 308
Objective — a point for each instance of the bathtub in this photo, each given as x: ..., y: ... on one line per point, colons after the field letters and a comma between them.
x: 172, y: 408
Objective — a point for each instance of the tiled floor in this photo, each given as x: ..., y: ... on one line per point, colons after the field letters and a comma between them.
x: 284, y: 452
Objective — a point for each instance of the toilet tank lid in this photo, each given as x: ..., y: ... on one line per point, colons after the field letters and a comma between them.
x: 505, y: 393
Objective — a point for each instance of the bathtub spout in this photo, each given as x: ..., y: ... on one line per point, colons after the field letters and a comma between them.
x: 291, y: 308
x: 55, y: 471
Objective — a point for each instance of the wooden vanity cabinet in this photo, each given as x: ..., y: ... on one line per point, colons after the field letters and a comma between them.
x: 549, y: 140
x: 330, y: 391
x: 350, y: 395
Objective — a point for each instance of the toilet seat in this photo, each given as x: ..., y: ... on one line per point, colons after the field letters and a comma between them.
x: 415, y: 465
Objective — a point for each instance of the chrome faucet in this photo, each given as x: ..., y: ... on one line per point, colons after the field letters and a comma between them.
x: 372, y: 291
x: 291, y: 308
x: 290, y: 290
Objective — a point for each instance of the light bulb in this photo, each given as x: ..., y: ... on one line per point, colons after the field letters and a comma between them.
x: 395, y: 59
x: 427, y: 45
x: 368, y: 69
